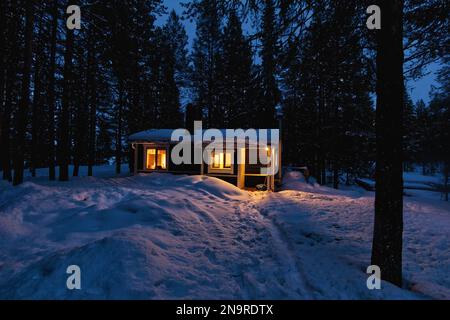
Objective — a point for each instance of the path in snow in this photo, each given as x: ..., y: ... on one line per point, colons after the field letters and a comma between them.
x: 329, y: 233
x: 156, y: 236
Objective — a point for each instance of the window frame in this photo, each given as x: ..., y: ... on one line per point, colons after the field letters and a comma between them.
x: 212, y: 168
x: 157, y: 149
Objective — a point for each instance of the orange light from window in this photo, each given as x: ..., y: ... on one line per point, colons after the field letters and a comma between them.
x: 151, y: 159
x: 216, y: 160
x: 227, y: 163
x: 161, y: 159
x: 221, y: 160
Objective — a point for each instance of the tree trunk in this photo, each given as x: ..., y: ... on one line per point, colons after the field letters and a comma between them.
x: 64, y: 140
x: 2, y: 56
x: 446, y: 179
x: 92, y: 108
x: 22, y: 113
x: 51, y: 94
x: 388, y: 228
x: 35, y: 122
x: 36, y: 119
x: 11, y: 79
x: 2, y: 77
x: 92, y: 133
x: 6, y: 125
x: 323, y: 169
x: 335, y: 176
x: 119, y: 129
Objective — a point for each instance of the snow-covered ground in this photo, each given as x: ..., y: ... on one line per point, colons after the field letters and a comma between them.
x: 189, y: 237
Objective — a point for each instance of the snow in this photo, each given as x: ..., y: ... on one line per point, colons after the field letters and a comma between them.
x: 419, y: 178
x: 156, y: 135
x: 165, y: 135
x: 412, y: 180
x: 334, y: 229
x: 162, y: 236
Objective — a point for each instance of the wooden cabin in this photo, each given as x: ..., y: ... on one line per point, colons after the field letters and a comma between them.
x: 151, y: 151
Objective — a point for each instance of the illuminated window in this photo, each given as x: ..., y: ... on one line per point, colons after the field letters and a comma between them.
x: 151, y: 159
x: 156, y: 159
x: 216, y: 160
x: 227, y: 160
x: 161, y: 159
x: 222, y: 161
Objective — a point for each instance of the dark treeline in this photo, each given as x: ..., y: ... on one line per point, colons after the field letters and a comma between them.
x: 327, y: 103
x: 72, y: 97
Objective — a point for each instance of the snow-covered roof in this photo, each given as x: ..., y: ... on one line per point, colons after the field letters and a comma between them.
x: 153, y: 135
x: 165, y: 135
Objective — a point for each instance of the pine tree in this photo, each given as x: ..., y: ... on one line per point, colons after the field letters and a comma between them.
x: 207, y: 61
x: 409, y: 133
x: 177, y: 39
x: 37, y: 151
x: 64, y: 144
x: 51, y: 137
x: 2, y: 76
x: 388, y: 228
x: 440, y: 110
x: 12, y: 45
x: 270, y: 92
x: 81, y: 100
x: 22, y: 113
x: 121, y: 42
x: 169, y: 94
x: 92, y: 85
x: 423, y: 134
x: 326, y: 96
x: 238, y: 94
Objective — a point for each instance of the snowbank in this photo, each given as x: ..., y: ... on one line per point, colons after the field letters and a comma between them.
x: 161, y: 236
x: 331, y: 232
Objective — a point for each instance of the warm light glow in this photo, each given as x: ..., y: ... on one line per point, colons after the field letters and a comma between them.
x: 156, y: 159
x: 161, y: 163
x: 216, y: 160
x: 151, y: 159
x: 227, y: 163
x: 221, y: 160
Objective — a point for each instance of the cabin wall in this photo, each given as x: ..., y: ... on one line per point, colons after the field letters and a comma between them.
x: 183, y: 168
x: 141, y: 157
x: 252, y: 177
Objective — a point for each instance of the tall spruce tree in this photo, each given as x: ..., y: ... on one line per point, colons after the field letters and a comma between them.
x: 64, y: 141
x: 238, y: 93
x: 270, y: 91
x: 51, y: 97
x: 177, y: 39
x: 169, y: 94
x: 22, y: 113
x: 440, y: 110
x: 207, y: 62
x: 388, y: 228
x: 14, y: 37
